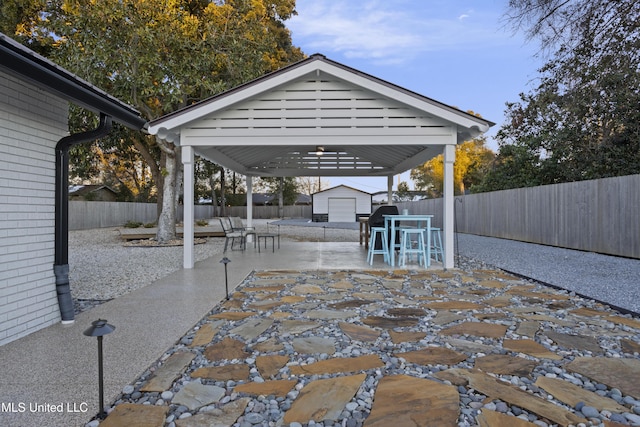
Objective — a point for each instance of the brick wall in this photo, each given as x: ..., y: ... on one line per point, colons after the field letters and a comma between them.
x: 31, y: 123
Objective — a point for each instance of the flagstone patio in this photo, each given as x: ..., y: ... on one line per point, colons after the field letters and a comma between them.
x: 404, y: 348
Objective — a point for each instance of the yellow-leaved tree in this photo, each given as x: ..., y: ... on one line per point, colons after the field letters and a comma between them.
x: 473, y: 159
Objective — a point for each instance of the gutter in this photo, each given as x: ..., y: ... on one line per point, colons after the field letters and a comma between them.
x: 61, y: 263
x: 19, y: 60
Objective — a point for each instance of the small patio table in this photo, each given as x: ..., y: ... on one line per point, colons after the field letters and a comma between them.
x: 392, y: 222
x: 266, y: 236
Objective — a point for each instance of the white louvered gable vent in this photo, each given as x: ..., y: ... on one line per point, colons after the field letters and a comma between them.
x: 314, y: 107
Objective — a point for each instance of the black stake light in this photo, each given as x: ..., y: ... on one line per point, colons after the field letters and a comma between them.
x: 226, y: 261
x: 100, y: 328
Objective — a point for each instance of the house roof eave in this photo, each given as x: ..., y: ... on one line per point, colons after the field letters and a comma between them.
x: 16, y: 59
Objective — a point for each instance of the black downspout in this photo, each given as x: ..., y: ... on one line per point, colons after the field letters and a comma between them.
x: 61, y: 264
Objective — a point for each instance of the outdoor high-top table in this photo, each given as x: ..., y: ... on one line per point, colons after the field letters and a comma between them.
x: 392, y: 223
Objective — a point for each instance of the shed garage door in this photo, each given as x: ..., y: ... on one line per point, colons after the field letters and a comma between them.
x: 342, y: 209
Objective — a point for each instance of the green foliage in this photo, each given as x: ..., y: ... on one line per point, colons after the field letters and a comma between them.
x: 202, y: 222
x: 402, y: 193
x: 133, y: 224
x: 158, y: 56
x: 236, y: 199
x: 583, y: 120
x: 289, y: 188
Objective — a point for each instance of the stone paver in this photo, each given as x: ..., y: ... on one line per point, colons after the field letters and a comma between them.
x: 402, y: 400
x: 129, y: 414
x: 390, y: 322
x: 219, y: 417
x: 195, y: 395
x: 205, y: 334
x: 433, y: 356
x: 572, y: 395
x: 270, y: 365
x: 228, y: 348
x: 575, y: 341
x: 314, y: 345
x: 351, y: 364
x: 235, y: 372
x: 619, y: 373
x: 324, y: 399
x: 363, y: 348
x: 503, y: 364
x: 479, y: 329
x: 499, y: 390
x: 531, y: 348
x: 295, y: 327
x: 408, y: 336
x: 252, y: 328
x: 359, y: 333
x: 169, y: 371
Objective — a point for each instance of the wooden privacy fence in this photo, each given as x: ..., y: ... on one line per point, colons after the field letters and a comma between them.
x: 84, y: 215
x: 597, y: 216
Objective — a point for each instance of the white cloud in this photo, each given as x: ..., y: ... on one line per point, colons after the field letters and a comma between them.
x: 386, y: 32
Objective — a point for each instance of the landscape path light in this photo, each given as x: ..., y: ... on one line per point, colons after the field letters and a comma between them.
x: 226, y: 261
x: 100, y: 328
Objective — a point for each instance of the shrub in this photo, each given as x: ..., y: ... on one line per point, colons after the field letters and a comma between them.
x: 132, y: 224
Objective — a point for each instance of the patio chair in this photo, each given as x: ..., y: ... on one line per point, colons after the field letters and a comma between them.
x: 231, y: 234
x: 238, y: 225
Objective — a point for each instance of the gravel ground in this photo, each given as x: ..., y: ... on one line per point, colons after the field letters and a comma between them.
x: 614, y: 280
x: 103, y: 267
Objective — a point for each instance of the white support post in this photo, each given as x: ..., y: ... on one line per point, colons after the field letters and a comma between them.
x: 188, y: 230
x: 390, y: 189
x: 448, y: 203
x: 249, y: 180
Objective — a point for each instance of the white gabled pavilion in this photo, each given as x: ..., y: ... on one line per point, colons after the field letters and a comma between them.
x: 277, y: 124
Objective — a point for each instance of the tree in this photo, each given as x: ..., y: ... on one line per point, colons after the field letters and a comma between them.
x: 161, y: 55
x: 276, y: 186
x: 473, y: 159
x: 311, y: 184
x: 582, y: 121
x: 402, y: 193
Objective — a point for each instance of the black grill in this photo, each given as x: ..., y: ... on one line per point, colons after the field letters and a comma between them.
x: 377, y: 220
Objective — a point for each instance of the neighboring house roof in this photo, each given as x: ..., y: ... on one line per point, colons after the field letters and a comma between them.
x: 342, y: 186
x: 16, y: 59
x: 81, y: 190
x: 266, y: 199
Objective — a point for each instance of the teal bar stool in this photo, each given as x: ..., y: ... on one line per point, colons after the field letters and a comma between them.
x: 436, y: 245
x: 413, y: 243
x: 384, y: 247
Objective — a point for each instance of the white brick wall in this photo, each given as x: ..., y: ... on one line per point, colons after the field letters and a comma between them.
x: 31, y: 123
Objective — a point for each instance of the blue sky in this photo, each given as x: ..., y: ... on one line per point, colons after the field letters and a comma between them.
x: 458, y: 52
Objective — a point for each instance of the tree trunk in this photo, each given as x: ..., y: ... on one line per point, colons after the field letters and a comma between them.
x: 223, y: 191
x: 214, y: 198
x: 154, y: 167
x: 167, y: 219
x: 281, y: 198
